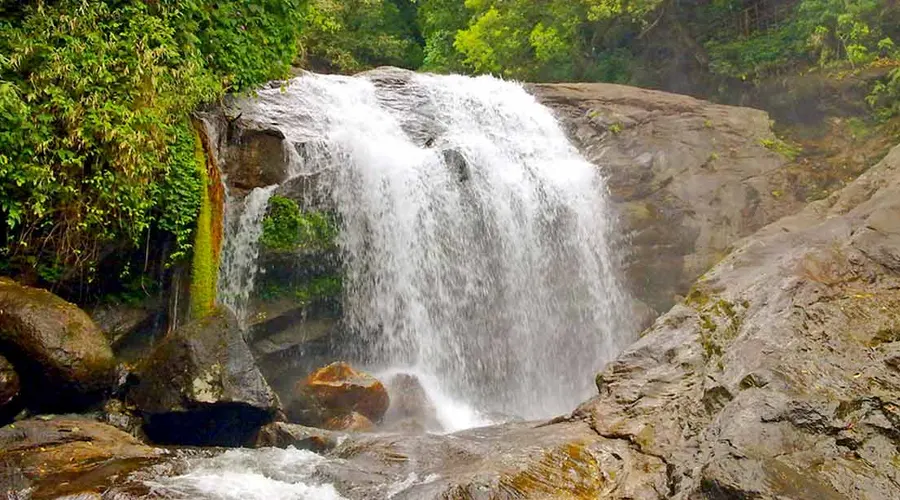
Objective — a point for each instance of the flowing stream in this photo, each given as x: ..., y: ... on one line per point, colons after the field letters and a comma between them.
x: 476, y: 244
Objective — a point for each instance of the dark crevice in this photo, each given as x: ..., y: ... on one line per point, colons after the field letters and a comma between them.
x: 224, y: 424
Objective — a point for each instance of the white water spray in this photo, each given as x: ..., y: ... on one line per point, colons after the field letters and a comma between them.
x: 238, y: 262
x: 476, y: 240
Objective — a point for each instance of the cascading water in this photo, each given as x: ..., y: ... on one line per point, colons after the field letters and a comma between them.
x: 238, y: 262
x: 476, y: 240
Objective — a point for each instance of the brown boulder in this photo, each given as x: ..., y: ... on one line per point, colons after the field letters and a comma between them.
x: 56, y: 457
x: 63, y: 359
x: 338, y: 389
x: 353, y: 422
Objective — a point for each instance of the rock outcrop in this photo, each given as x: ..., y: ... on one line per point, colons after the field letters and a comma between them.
x: 53, y: 457
x: 63, y: 360
x: 690, y: 177
x: 201, y: 386
x: 777, y: 377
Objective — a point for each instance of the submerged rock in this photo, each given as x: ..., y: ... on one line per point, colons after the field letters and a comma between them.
x: 63, y: 360
x: 339, y: 390
x: 201, y: 386
x: 283, y: 435
x: 48, y: 458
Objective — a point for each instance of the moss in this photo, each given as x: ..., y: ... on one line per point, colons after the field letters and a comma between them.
x: 568, y: 471
x: 885, y: 336
x: 286, y: 228
x: 719, y: 320
x: 204, y: 268
x: 778, y: 145
x: 696, y: 297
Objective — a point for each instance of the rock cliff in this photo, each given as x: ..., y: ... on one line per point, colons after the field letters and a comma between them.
x: 689, y: 177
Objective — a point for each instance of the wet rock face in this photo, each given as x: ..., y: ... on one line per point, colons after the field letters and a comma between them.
x: 338, y: 390
x: 777, y: 376
x: 201, y: 386
x: 64, y: 361
x: 58, y: 456
x: 690, y: 178
x: 564, y: 460
x: 131, y: 328
x: 411, y: 409
x: 351, y: 422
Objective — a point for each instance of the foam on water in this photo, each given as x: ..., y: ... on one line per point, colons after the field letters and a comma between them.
x: 263, y: 474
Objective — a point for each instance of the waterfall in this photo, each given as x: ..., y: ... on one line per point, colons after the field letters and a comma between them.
x: 240, y: 249
x: 475, y: 238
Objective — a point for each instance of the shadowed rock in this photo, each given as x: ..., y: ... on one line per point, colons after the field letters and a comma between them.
x: 411, y: 409
x: 283, y: 435
x: 201, y: 386
x: 351, y: 422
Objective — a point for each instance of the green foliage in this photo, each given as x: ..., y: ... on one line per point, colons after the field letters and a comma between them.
x: 323, y: 287
x: 527, y: 40
x: 94, y: 96
x: 245, y: 42
x: 204, y: 268
x: 778, y: 145
x: 286, y: 228
x: 352, y: 35
x: 885, y: 96
x: 756, y: 56
x: 820, y: 32
x: 439, y: 22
